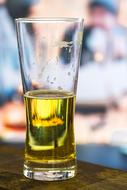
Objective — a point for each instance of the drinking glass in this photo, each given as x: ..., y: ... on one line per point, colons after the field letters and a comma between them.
x: 49, y: 84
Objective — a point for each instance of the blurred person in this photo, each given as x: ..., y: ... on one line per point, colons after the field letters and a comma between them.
x: 101, y: 79
x: 11, y: 106
x: 104, y: 39
x: 12, y: 124
x: 9, y: 61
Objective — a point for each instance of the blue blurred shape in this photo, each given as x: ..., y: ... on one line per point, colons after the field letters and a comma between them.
x: 111, y: 5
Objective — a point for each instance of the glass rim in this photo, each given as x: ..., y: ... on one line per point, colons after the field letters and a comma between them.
x: 48, y: 19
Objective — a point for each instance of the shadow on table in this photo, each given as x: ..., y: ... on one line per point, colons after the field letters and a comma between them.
x: 105, y: 155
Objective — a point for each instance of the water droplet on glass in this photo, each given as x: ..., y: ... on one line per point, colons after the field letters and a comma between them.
x: 47, y: 78
x: 60, y: 88
x: 69, y: 73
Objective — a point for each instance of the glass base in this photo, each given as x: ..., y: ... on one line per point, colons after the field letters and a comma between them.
x: 49, y: 174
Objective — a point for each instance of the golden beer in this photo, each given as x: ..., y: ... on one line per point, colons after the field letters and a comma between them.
x: 50, y: 129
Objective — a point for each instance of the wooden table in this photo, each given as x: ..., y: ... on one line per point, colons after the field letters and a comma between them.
x: 90, y: 177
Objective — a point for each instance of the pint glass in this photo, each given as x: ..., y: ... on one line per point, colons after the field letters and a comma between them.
x: 49, y: 52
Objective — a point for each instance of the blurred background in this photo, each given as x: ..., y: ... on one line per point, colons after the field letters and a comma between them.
x: 101, y: 110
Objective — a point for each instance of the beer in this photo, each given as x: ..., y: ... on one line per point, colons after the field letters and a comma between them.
x: 50, y: 129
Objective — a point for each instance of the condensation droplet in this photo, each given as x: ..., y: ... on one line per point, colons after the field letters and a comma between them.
x: 72, y: 65
x: 47, y: 78
x: 40, y: 74
x: 42, y: 69
x: 60, y: 88
x: 69, y: 73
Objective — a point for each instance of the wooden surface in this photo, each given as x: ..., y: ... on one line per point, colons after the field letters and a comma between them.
x: 90, y: 177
